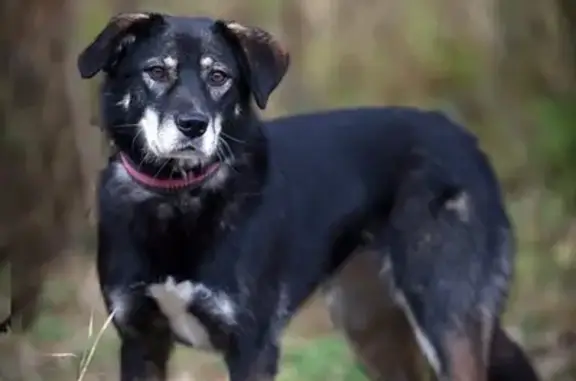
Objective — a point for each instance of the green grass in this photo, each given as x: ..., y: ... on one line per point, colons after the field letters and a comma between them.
x: 326, y: 358
x: 62, y: 336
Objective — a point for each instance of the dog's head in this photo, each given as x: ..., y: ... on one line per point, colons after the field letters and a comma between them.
x: 179, y: 89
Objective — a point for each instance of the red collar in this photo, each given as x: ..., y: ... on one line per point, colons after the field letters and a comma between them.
x: 189, y: 181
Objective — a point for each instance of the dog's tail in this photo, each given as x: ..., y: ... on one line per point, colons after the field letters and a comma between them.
x: 5, y: 325
x: 508, y: 362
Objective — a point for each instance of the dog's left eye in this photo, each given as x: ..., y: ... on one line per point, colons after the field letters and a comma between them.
x: 158, y: 73
x: 217, y: 78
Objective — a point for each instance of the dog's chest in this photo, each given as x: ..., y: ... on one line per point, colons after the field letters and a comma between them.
x: 178, y: 299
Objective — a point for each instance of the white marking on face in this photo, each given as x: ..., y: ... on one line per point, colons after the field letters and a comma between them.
x: 151, y: 84
x: 206, y: 62
x: 209, y: 142
x: 174, y: 300
x: 150, y: 124
x: 170, y: 62
x: 237, y: 110
x: 218, y: 92
x: 169, y: 136
x: 162, y: 138
x: 125, y: 102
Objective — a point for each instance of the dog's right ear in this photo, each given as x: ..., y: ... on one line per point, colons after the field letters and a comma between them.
x: 263, y: 58
x: 101, y: 52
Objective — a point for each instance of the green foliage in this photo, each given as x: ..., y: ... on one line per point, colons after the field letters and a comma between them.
x: 321, y: 359
x: 557, y: 145
x: 50, y: 328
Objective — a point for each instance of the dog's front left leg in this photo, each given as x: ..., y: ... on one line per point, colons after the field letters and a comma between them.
x: 144, y: 357
x: 249, y: 361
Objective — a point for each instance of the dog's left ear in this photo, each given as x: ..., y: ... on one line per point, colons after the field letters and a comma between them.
x: 111, y: 39
x: 264, y: 60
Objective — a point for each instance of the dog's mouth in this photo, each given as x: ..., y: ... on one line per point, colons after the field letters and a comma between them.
x: 184, y: 178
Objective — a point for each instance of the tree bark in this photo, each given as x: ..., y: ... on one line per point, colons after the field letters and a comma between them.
x: 124, y: 5
x: 293, y: 95
x: 39, y: 163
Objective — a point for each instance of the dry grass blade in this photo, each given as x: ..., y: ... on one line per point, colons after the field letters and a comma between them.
x: 62, y: 355
x: 86, y: 350
x: 91, y: 324
x: 84, y: 365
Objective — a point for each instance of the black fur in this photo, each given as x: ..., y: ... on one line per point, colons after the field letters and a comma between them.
x: 5, y: 325
x: 508, y: 362
x: 294, y: 198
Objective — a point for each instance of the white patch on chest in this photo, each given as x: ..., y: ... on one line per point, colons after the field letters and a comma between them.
x: 174, y: 299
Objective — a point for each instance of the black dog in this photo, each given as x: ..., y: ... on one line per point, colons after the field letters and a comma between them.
x: 214, y: 228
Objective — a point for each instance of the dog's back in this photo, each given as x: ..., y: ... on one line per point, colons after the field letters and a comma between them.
x: 383, y: 156
x: 447, y: 239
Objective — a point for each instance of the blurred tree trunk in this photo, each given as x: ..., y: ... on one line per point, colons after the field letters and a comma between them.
x: 39, y: 167
x: 124, y: 5
x: 293, y: 94
x: 567, y: 9
x: 534, y: 46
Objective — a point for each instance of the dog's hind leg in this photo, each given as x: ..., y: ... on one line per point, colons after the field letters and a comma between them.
x: 508, y: 362
x: 362, y: 307
x: 449, y: 261
x: 376, y: 329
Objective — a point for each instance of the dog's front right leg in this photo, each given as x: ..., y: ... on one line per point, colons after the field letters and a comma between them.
x: 144, y: 357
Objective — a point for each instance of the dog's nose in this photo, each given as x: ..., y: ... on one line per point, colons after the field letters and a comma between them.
x: 192, y: 125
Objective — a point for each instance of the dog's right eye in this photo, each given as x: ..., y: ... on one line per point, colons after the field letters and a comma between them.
x: 158, y: 73
x: 217, y: 77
